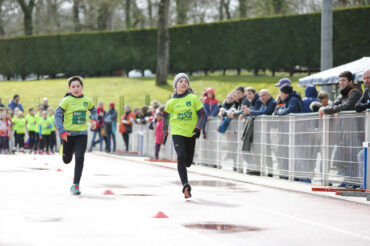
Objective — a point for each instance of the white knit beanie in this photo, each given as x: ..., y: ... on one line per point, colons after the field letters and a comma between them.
x: 178, y: 77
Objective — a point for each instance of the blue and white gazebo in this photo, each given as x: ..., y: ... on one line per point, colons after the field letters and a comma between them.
x: 331, y: 76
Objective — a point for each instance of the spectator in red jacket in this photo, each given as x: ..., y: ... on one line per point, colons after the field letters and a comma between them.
x: 210, y: 103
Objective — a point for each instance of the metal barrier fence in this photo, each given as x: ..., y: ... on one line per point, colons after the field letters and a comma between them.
x: 301, y: 147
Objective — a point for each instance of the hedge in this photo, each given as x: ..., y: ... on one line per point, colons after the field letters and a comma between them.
x: 282, y: 43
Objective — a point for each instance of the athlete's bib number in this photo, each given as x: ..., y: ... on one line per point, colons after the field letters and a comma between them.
x: 79, y: 117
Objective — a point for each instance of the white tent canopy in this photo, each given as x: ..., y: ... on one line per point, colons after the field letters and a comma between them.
x: 331, y: 76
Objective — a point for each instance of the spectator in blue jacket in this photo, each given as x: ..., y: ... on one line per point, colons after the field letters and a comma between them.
x: 292, y: 101
x: 15, y: 103
x: 268, y: 105
x: 255, y: 102
x: 239, y: 100
x: 311, y: 96
x: 210, y: 103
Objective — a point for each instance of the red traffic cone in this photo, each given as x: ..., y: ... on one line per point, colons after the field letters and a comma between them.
x: 45, y: 164
x: 160, y: 215
x: 59, y: 170
x: 108, y: 192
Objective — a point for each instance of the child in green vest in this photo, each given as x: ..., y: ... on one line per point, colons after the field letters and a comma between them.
x: 44, y: 133
x: 71, y: 122
x: 38, y: 116
x: 53, y: 139
x: 31, y: 128
x: 187, y: 118
x: 19, y: 126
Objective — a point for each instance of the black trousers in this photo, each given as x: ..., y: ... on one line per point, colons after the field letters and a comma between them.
x: 32, y: 139
x: 77, y: 145
x: 126, y: 139
x: 45, y: 142
x: 37, y: 141
x: 19, y: 140
x: 53, y: 141
x: 184, y: 147
x: 4, y: 143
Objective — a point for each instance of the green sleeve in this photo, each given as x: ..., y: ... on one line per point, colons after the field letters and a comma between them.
x: 64, y: 103
x: 198, y: 104
x: 91, y: 105
x: 168, y: 107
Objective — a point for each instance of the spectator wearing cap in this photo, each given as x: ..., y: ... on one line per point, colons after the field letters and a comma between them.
x: 291, y: 99
x: 282, y: 82
x: 110, y: 121
x: 239, y: 100
x: 364, y: 102
x: 15, y: 103
x: 348, y: 97
x: 268, y: 104
x: 311, y: 96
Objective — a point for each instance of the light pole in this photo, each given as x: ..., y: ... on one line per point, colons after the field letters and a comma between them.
x: 327, y: 40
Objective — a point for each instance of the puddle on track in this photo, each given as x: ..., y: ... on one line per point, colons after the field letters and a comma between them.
x: 223, y: 228
x: 43, y: 219
x: 210, y: 183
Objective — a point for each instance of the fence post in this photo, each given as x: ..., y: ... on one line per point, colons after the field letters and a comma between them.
x: 263, y: 167
x: 325, y: 150
x: 366, y: 146
x: 121, y: 104
x: 239, y: 161
x: 147, y: 100
x: 218, y: 146
x: 200, y: 143
x: 291, y: 147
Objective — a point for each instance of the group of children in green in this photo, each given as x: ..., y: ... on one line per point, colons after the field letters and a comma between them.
x: 183, y: 112
x: 40, y: 128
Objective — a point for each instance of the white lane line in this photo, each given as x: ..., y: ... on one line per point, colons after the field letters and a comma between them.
x: 309, y: 222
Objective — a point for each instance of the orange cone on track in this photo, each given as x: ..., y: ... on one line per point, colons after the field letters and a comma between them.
x: 59, y: 170
x: 45, y: 164
x: 108, y: 192
x: 160, y: 215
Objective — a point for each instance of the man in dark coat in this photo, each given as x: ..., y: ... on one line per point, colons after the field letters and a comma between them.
x: 364, y: 102
x: 349, y: 95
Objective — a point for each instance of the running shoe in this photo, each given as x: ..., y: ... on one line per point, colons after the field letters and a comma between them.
x: 75, y: 189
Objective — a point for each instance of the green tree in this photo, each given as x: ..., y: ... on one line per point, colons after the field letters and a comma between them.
x: 242, y: 8
x: 27, y: 15
x: 162, y: 43
x: 182, y: 8
x: 76, y: 15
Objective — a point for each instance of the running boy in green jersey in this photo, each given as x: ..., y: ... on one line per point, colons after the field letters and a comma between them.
x: 186, y: 117
x: 72, y: 122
